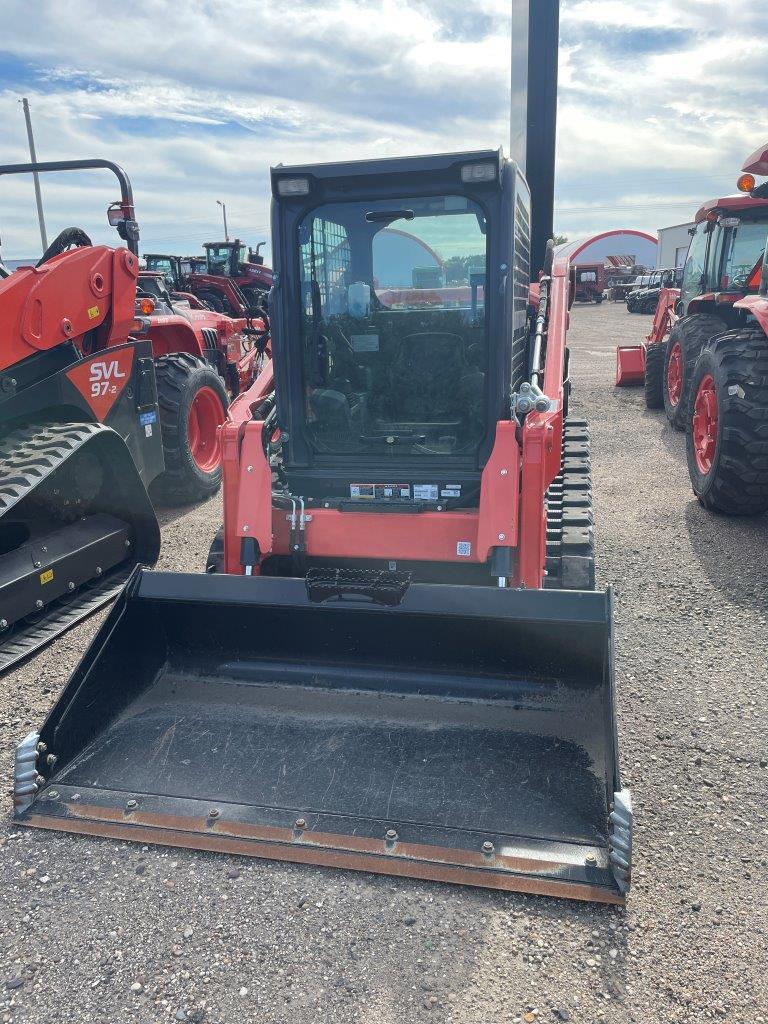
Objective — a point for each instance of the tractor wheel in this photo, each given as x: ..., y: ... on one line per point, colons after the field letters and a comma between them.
x: 598, y: 299
x: 570, y: 530
x: 654, y: 376
x: 213, y: 300
x: 686, y: 340
x: 727, y: 437
x: 193, y: 403
x: 255, y: 297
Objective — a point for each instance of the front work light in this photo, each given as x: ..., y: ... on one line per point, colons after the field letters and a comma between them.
x: 478, y: 172
x: 293, y: 186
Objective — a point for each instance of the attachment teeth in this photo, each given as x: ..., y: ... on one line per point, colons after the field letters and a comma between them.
x: 25, y: 777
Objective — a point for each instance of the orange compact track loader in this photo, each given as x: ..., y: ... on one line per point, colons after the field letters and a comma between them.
x: 79, y: 430
x: 398, y: 662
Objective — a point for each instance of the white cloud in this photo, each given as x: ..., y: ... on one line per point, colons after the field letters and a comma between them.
x: 657, y: 108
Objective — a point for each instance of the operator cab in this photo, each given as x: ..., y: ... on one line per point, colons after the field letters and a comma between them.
x: 399, y: 361
x: 168, y: 266
x: 223, y: 259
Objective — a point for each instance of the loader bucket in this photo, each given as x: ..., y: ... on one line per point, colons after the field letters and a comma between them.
x: 630, y: 365
x: 465, y: 735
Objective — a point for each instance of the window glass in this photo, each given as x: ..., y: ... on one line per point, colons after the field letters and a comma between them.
x: 162, y: 265
x: 218, y: 259
x: 744, y: 248
x: 394, y: 326
x: 694, y: 265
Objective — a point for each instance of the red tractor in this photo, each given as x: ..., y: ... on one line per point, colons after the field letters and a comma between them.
x: 638, y: 364
x: 243, y: 266
x: 180, y: 322
x: 230, y: 279
x: 727, y: 419
x: 723, y: 266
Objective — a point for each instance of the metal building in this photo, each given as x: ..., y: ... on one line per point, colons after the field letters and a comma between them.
x: 673, y: 245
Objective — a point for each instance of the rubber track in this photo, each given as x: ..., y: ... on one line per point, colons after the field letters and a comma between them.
x: 27, y: 458
x: 570, y: 560
x: 741, y: 483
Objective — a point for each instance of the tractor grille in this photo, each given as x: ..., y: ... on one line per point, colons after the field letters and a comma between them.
x: 210, y: 337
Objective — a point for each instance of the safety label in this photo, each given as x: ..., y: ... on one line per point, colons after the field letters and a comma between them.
x: 148, y: 417
x: 464, y: 548
x: 380, y: 492
x: 365, y: 343
x: 47, y: 576
x: 425, y: 492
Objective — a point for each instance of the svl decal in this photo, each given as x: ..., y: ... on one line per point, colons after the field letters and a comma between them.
x: 101, y: 380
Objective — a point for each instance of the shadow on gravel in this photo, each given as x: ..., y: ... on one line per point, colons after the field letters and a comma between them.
x: 733, y: 552
x: 674, y: 442
x: 168, y: 513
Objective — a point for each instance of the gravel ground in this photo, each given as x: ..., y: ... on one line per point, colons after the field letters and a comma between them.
x: 99, y: 931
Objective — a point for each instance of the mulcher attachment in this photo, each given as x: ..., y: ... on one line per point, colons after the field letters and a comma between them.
x: 75, y: 519
x: 465, y: 734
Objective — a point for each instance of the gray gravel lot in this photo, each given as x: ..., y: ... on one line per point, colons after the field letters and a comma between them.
x: 98, y: 931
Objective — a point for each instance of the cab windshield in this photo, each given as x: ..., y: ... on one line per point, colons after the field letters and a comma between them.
x: 395, y: 347
x: 162, y: 265
x: 743, y: 249
x: 219, y: 260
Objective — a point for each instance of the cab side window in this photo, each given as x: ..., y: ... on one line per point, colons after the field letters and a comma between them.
x: 693, y: 272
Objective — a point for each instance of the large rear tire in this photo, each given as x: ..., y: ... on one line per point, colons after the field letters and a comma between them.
x: 193, y: 403
x: 213, y: 300
x: 727, y: 440
x: 686, y: 340
x: 654, y: 376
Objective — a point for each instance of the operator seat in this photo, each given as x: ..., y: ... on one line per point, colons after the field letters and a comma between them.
x: 423, y: 373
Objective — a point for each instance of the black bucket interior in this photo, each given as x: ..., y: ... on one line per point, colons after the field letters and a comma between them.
x: 464, y: 708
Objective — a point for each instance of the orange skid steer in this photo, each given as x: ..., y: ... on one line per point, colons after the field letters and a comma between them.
x: 397, y: 661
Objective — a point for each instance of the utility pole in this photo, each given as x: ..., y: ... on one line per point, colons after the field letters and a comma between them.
x: 224, y: 212
x: 35, y: 175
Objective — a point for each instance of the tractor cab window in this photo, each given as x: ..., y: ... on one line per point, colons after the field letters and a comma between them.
x: 743, y: 248
x: 394, y: 326
x: 162, y: 265
x: 219, y: 260
x: 693, y: 272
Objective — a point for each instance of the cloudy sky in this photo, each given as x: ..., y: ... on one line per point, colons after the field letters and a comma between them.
x: 658, y: 105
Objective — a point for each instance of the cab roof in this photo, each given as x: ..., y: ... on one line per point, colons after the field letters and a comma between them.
x: 386, y: 166
x: 732, y: 204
